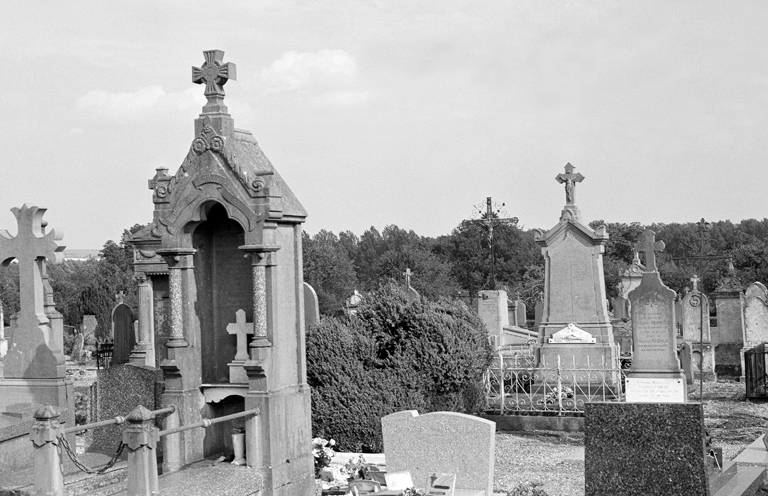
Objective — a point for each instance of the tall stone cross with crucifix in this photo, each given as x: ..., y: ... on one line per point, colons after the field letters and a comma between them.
x: 215, y: 75
x: 650, y: 246
x: 30, y: 355
x: 570, y: 179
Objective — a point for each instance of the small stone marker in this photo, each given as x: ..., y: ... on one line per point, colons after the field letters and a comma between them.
x: 398, y: 481
x: 311, y: 307
x: 441, y: 484
x: 77, y: 347
x: 686, y: 358
x: 29, y: 355
x: 441, y: 442
x: 241, y: 329
x: 655, y: 375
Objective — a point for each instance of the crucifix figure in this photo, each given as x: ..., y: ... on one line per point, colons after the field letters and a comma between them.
x: 215, y: 75
x: 650, y: 246
x: 695, y: 280
x: 570, y: 179
x: 491, y: 219
x: 241, y: 329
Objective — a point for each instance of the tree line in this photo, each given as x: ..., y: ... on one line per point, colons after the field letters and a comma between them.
x: 455, y: 265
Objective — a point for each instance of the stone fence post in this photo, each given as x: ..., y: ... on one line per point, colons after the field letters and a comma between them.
x: 48, y: 469
x: 140, y: 438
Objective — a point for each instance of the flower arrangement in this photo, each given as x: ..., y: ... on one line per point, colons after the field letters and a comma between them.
x: 322, y: 449
x: 556, y: 394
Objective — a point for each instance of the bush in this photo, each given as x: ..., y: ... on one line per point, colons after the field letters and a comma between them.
x: 392, y: 356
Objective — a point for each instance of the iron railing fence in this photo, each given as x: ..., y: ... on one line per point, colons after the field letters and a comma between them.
x: 515, y: 385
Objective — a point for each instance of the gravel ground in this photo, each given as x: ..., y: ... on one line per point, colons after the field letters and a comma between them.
x: 551, y: 461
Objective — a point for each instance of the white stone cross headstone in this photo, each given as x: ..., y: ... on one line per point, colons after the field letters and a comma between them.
x: 241, y: 329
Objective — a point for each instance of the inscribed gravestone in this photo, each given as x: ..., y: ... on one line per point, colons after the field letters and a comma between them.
x: 644, y: 449
x: 77, y: 347
x: 311, y: 307
x: 123, y: 331
x: 441, y: 442
x: 655, y: 369
x: 695, y: 322
x: 755, y: 315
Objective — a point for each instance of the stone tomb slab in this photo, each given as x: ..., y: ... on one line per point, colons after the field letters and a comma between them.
x: 648, y: 449
x: 441, y: 442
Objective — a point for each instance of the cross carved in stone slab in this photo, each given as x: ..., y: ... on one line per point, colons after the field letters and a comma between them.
x: 241, y: 329
x: 30, y: 248
x: 695, y: 280
x: 215, y: 75
x: 650, y: 246
x: 570, y: 179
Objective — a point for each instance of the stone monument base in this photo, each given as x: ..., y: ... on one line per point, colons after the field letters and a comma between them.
x: 709, y: 361
x: 59, y: 393
x: 587, y: 365
x: 284, y: 461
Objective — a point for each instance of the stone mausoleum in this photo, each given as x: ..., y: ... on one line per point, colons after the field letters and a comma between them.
x: 221, y: 296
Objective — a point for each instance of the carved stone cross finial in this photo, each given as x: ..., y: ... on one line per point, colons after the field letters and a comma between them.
x: 695, y: 280
x: 570, y: 179
x: 30, y: 247
x: 241, y: 329
x: 215, y: 75
x: 650, y: 246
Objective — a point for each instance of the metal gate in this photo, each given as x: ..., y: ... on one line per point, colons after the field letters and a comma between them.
x: 755, y: 372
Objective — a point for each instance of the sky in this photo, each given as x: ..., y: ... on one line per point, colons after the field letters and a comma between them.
x: 394, y: 112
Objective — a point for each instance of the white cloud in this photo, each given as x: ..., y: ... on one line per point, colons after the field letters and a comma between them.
x: 326, y: 76
x: 108, y: 105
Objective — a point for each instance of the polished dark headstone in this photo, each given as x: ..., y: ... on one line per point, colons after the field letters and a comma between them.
x: 644, y: 449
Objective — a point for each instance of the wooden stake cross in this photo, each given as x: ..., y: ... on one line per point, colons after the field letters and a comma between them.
x: 650, y: 246
x: 31, y: 247
x: 570, y: 179
x: 241, y: 329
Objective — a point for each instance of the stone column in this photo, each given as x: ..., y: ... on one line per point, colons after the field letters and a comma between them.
x: 261, y: 256
x: 140, y: 438
x: 48, y: 469
x: 178, y: 260
x: 144, y: 351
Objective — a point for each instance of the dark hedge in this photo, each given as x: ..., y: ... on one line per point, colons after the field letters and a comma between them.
x: 391, y: 356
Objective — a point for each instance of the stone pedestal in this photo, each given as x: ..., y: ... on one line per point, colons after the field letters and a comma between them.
x: 492, y: 310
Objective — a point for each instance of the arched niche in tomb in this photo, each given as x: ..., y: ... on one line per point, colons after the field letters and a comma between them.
x: 223, y: 284
x: 218, y: 437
